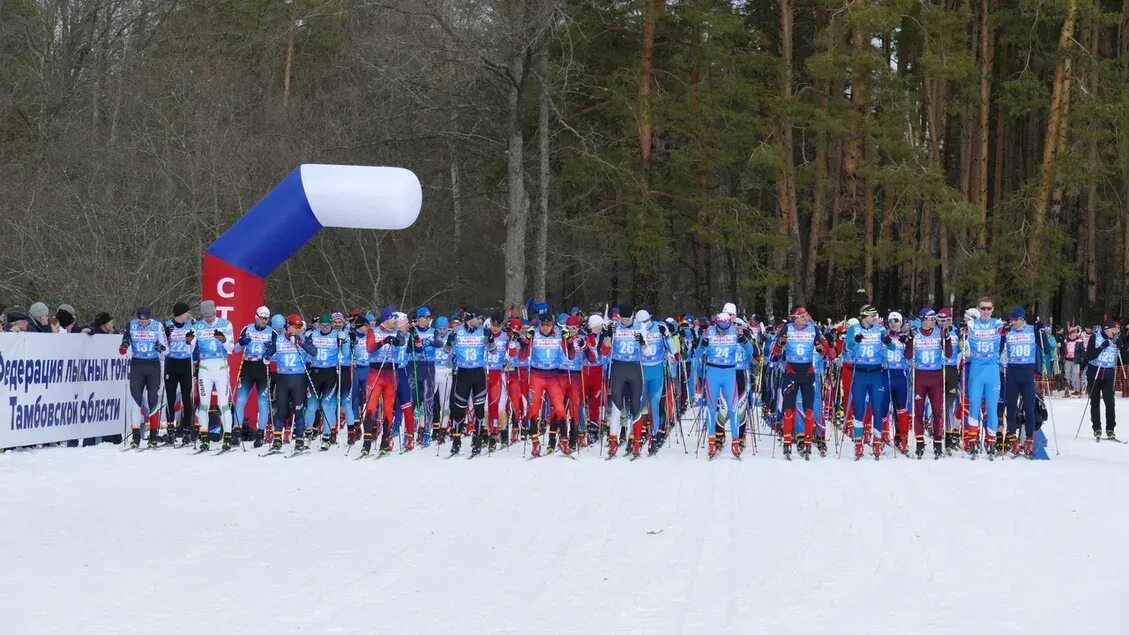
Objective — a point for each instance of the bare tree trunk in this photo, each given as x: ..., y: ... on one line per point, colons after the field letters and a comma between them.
x: 1059, y: 96
x: 542, y: 248
x: 645, y: 130
x: 517, y: 202
x: 702, y: 274
x: 289, y: 64
x: 456, y: 195
x: 987, y: 53
x: 786, y: 179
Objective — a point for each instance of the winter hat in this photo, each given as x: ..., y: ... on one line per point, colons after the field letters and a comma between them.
x: 1109, y: 324
x: 441, y: 322
x: 946, y: 313
x: 927, y: 314
x: 799, y: 312
x: 38, y: 310
x: 470, y: 312
x: 207, y: 308
x: 595, y: 321
x: 894, y: 317
x: 729, y: 308
x: 16, y: 314
x: 294, y: 319
x: 178, y: 309
x: 545, y: 317
x: 643, y: 315
x: 64, y: 318
x: 143, y: 313
x: 262, y: 312
x: 562, y: 318
x: 277, y: 321
x: 387, y: 313
x: 1017, y: 313
x: 370, y: 317
x: 102, y: 319
x: 423, y: 312
x: 868, y: 311
x: 573, y: 321
x: 359, y: 323
x: 324, y: 318
x: 337, y: 315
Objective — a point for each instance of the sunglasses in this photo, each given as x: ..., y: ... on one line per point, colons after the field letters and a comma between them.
x: 895, y: 320
x: 986, y: 308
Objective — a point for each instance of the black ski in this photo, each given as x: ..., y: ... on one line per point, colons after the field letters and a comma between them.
x: 270, y: 453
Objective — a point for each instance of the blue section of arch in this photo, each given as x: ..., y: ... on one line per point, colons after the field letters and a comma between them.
x: 272, y: 231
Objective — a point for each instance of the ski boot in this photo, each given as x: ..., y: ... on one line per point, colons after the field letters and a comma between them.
x: 636, y: 447
x: 858, y: 449
x: 300, y: 443
x: 475, y: 444
x: 153, y: 439
x: 410, y: 443
x: 225, y: 442
x: 1013, y: 444
x: 821, y: 446
x: 333, y: 436
x: 135, y: 439
x: 268, y: 435
x: 952, y: 441
x: 326, y: 442
x: 492, y: 443
x: 351, y: 434
x: 456, y: 443
x: 439, y: 433
x: 903, y: 446
x: 566, y: 449
x: 276, y: 444
x: 1029, y: 448
x: 366, y: 446
x: 713, y: 447
x: 205, y: 444
x: 613, y: 445
x: 237, y: 435
x: 653, y: 447
x: 787, y: 448
x: 877, y: 448
x: 552, y: 439
x: 258, y: 438
x: 735, y: 448
x: 582, y: 439
x: 1110, y: 436
x: 805, y: 449
x: 919, y: 451
x: 1098, y: 434
x: 535, y: 440
x: 515, y: 433
x: 990, y: 446
x: 938, y: 449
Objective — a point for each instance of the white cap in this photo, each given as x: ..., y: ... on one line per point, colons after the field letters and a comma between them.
x: 730, y: 308
x: 642, y: 315
x: 894, y: 315
x: 741, y: 323
x: 262, y: 312
x: 853, y: 322
x: 595, y: 321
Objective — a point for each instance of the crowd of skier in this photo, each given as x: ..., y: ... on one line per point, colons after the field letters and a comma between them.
x: 616, y: 378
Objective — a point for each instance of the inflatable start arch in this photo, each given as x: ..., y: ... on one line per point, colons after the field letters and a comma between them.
x: 310, y: 198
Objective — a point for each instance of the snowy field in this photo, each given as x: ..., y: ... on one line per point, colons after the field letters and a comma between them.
x: 100, y: 541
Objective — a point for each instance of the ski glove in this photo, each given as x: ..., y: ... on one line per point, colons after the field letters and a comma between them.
x: 220, y: 336
x: 243, y: 338
x: 858, y: 338
x: 639, y: 338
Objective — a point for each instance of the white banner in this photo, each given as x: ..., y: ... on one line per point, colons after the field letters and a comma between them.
x: 61, y: 387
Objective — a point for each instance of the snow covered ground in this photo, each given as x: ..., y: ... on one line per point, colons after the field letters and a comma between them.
x: 97, y: 541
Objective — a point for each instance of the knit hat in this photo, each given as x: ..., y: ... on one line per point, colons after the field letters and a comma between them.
x: 143, y: 313
x: 868, y: 311
x: 38, y: 310
x: 262, y: 312
x: 729, y: 308
x: 894, y: 317
x: 927, y: 314
x: 16, y: 314
x: 1017, y: 313
x: 423, y: 312
x: 277, y: 321
x: 65, y: 318
x: 207, y: 308
x: 643, y: 315
x: 102, y: 319
x: 545, y: 317
x: 595, y: 321
x: 180, y: 308
x: 573, y: 321
x: 946, y: 313
x: 386, y: 314
x: 441, y: 322
x: 470, y: 312
x: 294, y: 319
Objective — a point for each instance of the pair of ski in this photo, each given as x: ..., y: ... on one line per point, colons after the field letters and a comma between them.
x: 570, y: 455
x: 218, y: 452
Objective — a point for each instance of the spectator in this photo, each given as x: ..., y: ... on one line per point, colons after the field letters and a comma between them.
x: 103, y: 325
x: 65, y: 319
x: 3, y: 317
x: 39, y: 317
x: 17, y: 320
x: 1073, y: 354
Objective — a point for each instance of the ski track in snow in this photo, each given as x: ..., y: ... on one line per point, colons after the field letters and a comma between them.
x: 100, y: 541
